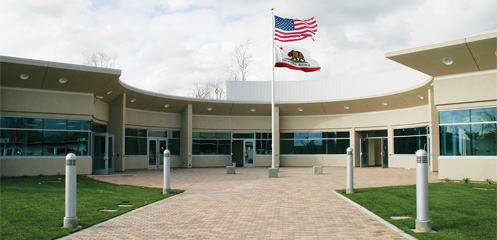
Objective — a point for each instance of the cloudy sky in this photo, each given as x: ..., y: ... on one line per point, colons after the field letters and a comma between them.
x: 166, y: 45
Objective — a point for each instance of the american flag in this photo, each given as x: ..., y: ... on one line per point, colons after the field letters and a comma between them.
x: 288, y: 30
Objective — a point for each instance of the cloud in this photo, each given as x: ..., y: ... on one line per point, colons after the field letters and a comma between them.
x: 165, y: 46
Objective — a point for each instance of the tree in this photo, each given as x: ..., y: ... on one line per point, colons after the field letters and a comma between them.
x: 100, y: 59
x: 209, y: 90
x: 241, y: 61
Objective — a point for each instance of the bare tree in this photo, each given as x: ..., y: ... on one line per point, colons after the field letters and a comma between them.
x: 217, y: 90
x: 200, y: 90
x: 100, y: 59
x: 241, y: 61
x: 210, y: 90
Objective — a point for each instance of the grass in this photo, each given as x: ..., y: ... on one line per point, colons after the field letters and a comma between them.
x: 456, y: 211
x: 34, y: 207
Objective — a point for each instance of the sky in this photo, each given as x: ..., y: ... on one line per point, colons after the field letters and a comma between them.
x: 166, y: 46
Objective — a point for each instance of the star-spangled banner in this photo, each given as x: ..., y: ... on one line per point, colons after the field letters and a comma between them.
x: 288, y: 30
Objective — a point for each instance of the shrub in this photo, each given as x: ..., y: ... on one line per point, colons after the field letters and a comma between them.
x: 446, y: 180
x: 465, y: 181
x: 489, y: 181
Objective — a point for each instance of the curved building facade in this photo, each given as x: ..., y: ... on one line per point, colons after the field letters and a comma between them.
x: 51, y: 109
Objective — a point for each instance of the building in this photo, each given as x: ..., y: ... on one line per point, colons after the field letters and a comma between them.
x: 50, y: 109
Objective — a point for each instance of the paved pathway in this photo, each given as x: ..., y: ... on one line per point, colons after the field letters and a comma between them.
x: 249, y: 205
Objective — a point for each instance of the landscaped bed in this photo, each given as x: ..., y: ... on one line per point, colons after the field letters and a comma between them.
x: 456, y: 211
x: 33, y: 207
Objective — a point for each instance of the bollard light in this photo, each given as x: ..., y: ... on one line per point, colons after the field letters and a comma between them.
x: 167, y: 171
x: 350, y: 171
x: 423, y: 223
x: 70, y: 219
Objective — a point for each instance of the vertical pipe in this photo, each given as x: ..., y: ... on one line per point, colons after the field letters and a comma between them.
x: 70, y: 219
x: 423, y: 223
x: 350, y: 171
x: 167, y: 171
x: 272, y: 101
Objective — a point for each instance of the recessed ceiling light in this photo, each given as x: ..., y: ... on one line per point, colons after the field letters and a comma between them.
x: 99, y: 97
x: 421, y: 97
x: 133, y: 100
x: 209, y: 109
x: 447, y: 61
x: 109, y: 92
x: 252, y: 110
x: 63, y: 80
x: 24, y: 76
x: 384, y: 103
x: 346, y: 107
x: 167, y: 105
x: 300, y: 109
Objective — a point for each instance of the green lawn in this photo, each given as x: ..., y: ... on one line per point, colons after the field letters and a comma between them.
x: 33, y: 207
x: 456, y: 211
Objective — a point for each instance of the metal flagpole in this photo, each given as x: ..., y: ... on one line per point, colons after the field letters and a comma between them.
x: 272, y: 100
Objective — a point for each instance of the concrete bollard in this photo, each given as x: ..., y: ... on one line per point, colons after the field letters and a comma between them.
x: 272, y: 172
x: 230, y: 170
x: 167, y: 172
x: 318, y: 170
x: 423, y: 223
x: 70, y: 219
x: 350, y: 171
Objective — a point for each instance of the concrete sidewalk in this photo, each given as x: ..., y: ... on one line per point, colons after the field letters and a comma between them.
x: 249, y: 205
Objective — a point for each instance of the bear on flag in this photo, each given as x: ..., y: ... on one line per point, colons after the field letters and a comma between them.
x: 295, y: 58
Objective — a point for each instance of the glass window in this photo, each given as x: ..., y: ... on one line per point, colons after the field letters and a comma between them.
x: 8, y: 140
x: 454, y: 116
x: 484, y: 139
x: 98, y: 128
x: 78, y: 125
x: 30, y: 123
x: 337, y: 146
x: 157, y: 133
x: 455, y: 140
x: 30, y: 142
x: 8, y: 122
x: 314, y: 142
x: 243, y: 135
x: 263, y: 135
x: 376, y: 133
x: 484, y: 115
x: 174, y: 146
x: 263, y: 147
x: 60, y: 124
x: 135, y: 146
x: 54, y: 143
x: 78, y: 143
x: 409, y: 145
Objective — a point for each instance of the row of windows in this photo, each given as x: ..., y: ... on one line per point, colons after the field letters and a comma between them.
x: 136, y: 140
x: 43, y: 123
x: 314, y: 142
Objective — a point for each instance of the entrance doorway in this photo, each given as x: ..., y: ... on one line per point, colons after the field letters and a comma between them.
x: 374, y: 149
x: 103, y: 153
x: 156, y: 148
x: 243, y: 153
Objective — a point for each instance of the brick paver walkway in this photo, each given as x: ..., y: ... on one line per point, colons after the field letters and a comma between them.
x: 249, y: 205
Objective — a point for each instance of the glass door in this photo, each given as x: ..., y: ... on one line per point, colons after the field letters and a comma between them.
x: 103, y: 153
x: 384, y: 152
x: 248, y: 153
x: 364, y: 153
x: 156, y: 148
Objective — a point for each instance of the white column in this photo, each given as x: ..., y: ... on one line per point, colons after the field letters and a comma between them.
x: 70, y: 219
x: 167, y: 171
x: 423, y: 223
x: 350, y: 171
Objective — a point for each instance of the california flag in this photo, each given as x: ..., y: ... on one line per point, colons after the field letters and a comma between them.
x: 295, y: 58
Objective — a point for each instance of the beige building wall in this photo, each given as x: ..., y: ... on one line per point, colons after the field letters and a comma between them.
x: 186, y: 137
x: 141, y: 162
x: 152, y: 120
x: 462, y: 91
x: 34, y: 166
x: 101, y: 112
x: 211, y: 161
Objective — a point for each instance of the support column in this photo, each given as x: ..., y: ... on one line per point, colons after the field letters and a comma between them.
x: 186, y: 137
x: 116, y: 126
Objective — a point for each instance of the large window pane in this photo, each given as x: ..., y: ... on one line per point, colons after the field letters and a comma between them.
x: 54, y: 143
x: 8, y: 143
x: 337, y: 146
x: 454, y: 116
x: 484, y: 139
x: 78, y: 125
x: 59, y: 124
x: 30, y: 123
x: 455, y: 140
x: 411, y: 131
x: 135, y: 146
x: 8, y: 122
x: 484, y: 115
x: 223, y: 147
x: 409, y: 145
x: 243, y: 135
x: 78, y: 143
x: 157, y: 133
x: 30, y: 142
x: 174, y: 146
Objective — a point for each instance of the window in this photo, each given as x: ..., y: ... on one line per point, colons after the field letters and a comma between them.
x: 173, y: 142
x: 314, y: 142
x: 468, y: 132
x: 211, y: 143
x: 22, y: 136
x: 410, y: 140
x: 135, y: 142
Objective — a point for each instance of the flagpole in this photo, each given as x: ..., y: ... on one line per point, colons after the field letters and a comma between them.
x: 272, y: 102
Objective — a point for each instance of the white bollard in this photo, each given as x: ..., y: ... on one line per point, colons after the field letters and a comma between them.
x: 350, y: 171
x: 70, y: 219
x: 167, y: 171
x: 423, y: 223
